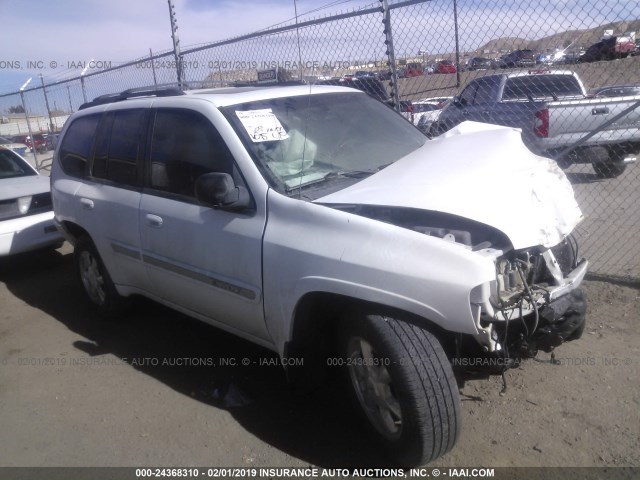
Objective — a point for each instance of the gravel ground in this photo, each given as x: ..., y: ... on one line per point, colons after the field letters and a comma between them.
x: 79, y: 391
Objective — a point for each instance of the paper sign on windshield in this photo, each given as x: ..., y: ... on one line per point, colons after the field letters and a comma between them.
x: 262, y: 125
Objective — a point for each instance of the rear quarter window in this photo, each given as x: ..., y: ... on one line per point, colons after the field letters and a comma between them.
x: 75, y: 149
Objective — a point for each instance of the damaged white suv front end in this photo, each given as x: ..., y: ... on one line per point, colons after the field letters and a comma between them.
x: 525, y: 211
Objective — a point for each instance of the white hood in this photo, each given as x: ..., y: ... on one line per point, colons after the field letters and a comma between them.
x: 481, y: 172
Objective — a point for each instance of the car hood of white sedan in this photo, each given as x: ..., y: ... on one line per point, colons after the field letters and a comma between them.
x: 481, y: 172
x: 16, y: 187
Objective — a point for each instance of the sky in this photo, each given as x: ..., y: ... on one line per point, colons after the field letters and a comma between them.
x: 56, y: 39
x: 44, y: 31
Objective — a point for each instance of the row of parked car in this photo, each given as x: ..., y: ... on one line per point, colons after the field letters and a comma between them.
x: 607, y: 49
x: 23, y: 143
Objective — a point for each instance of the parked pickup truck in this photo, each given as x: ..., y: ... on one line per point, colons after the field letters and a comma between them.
x: 553, y: 112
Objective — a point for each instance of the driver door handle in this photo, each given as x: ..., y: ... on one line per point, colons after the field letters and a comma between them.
x: 154, y: 220
x: 87, y: 203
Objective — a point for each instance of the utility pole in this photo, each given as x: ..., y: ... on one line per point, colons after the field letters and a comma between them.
x: 176, y: 43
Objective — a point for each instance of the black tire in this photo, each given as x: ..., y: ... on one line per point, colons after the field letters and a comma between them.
x: 609, y: 169
x: 95, y: 279
x: 402, y: 386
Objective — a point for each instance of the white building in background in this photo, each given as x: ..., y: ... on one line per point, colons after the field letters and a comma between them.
x: 16, y: 124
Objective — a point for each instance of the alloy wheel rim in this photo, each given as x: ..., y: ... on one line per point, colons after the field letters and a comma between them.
x: 374, y: 389
x: 92, y: 278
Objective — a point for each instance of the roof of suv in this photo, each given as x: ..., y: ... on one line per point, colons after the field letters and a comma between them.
x: 221, y: 97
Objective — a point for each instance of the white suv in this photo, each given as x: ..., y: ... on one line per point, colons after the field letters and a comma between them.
x: 319, y: 223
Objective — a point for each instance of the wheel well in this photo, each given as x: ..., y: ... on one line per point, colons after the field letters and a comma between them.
x: 74, y: 230
x: 315, y: 326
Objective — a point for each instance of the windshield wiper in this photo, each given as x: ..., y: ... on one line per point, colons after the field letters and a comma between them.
x: 357, y: 174
x: 354, y: 173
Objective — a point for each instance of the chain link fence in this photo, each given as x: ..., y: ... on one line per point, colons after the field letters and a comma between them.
x: 516, y: 62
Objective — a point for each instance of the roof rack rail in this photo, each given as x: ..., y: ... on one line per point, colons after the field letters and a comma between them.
x: 167, y: 90
x: 255, y: 83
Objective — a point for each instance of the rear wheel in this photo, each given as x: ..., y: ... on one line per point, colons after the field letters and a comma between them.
x: 95, y: 279
x: 402, y: 385
x: 609, y: 169
x: 607, y: 162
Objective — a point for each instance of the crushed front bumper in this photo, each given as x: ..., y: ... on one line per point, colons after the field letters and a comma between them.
x: 534, y: 304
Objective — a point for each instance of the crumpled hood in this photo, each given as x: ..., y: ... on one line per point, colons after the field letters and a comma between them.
x: 481, y: 172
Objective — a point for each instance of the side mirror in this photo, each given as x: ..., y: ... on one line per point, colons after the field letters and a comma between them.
x: 218, y: 190
x: 458, y: 101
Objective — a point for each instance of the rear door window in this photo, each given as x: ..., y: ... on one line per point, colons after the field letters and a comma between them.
x: 120, y: 147
x: 487, y: 90
x: 468, y: 94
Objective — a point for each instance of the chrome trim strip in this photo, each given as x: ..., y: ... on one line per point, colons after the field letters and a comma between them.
x: 128, y: 252
x: 201, y: 277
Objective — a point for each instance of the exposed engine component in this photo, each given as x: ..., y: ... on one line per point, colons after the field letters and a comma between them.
x: 525, y: 312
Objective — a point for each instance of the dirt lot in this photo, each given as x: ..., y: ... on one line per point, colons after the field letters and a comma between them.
x: 79, y: 391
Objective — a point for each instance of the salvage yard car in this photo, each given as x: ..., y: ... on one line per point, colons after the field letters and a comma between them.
x: 26, y: 213
x: 315, y: 221
x: 19, y: 148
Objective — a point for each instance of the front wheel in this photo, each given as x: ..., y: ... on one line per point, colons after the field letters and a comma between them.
x: 95, y: 279
x: 402, y: 385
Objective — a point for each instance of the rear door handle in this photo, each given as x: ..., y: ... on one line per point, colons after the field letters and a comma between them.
x: 154, y: 220
x: 87, y: 203
x: 600, y: 111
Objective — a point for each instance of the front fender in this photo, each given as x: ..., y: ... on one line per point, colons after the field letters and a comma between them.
x: 311, y: 248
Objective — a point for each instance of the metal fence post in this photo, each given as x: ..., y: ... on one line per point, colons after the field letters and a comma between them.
x: 46, y: 101
x: 153, y: 68
x: 84, y: 91
x: 176, y: 43
x: 390, y: 54
x: 455, y: 21
x: 26, y: 116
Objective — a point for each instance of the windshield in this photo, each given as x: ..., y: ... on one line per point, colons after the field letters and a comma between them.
x: 13, y: 166
x: 303, y: 140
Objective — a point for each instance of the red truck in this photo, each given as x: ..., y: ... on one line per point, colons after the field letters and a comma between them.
x: 39, y: 140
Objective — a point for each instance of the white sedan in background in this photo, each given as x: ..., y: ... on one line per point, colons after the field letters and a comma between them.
x: 427, y: 110
x: 26, y: 213
x: 19, y: 148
